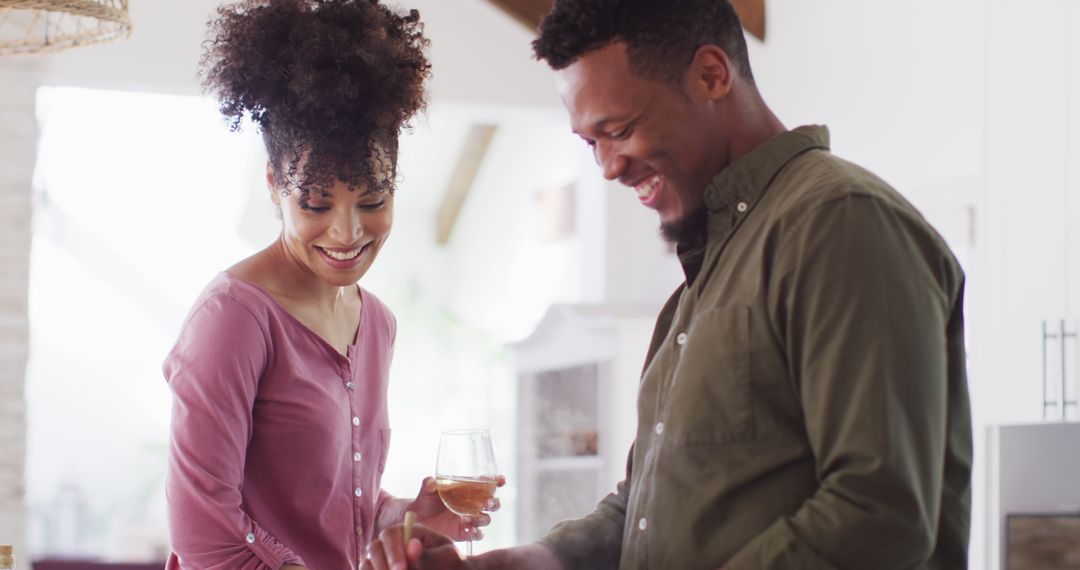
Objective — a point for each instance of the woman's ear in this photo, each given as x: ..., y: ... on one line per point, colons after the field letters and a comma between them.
x: 272, y: 184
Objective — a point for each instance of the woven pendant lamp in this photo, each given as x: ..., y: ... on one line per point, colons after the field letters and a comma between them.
x: 40, y: 26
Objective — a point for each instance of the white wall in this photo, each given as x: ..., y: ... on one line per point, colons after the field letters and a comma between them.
x: 898, y: 83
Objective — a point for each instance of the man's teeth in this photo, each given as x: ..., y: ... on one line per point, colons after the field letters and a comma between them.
x: 647, y: 187
x: 341, y: 255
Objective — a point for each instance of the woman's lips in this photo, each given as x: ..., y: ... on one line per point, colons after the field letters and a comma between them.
x: 342, y: 258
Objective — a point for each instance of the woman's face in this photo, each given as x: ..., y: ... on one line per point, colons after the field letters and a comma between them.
x: 339, y: 233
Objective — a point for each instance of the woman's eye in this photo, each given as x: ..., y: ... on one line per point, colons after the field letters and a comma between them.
x: 374, y: 206
x: 621, y: 134
x: 316, y: 209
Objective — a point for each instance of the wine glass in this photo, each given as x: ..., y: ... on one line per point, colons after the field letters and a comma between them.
x: 465, y: 473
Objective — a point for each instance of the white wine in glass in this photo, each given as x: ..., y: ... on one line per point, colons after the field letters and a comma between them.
x: 465, y: 473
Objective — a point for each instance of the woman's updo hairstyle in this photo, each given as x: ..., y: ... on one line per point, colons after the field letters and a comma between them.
x: 330, y: 84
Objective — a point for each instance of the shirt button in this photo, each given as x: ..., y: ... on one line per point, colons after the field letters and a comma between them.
x: 250, y: 538
x: 681, y: 339
x: 350, y: 385
x: 659, y: 429
x: 643, y: 524
x: 356, y: 420
x: 359, y: 492
x: 357, y: 456
x: 741, y: 207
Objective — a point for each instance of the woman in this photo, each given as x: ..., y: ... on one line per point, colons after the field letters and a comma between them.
x: 279, y: 428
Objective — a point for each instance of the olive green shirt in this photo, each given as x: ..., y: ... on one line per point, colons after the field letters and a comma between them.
x: 804, y: 401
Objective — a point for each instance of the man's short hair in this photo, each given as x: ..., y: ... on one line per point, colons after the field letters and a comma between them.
x: 662, y: 36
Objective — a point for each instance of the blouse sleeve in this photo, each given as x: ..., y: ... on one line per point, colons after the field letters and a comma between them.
x: 213, y: 372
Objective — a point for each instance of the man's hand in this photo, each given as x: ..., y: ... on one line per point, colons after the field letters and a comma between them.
x: 428, y: 550
x: 431, y: 512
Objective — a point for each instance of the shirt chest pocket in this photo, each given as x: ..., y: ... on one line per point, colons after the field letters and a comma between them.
x: 711, y: 397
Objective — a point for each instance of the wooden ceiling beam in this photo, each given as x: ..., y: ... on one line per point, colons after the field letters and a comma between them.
x: 752, y: 14
x: 528, y: 12
x: 473, y: 150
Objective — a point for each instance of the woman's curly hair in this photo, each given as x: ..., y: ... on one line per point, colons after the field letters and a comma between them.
x: 330, y: 84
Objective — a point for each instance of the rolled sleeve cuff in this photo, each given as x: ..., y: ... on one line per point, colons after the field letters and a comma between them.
x: 580, y: 545
x: 268, y: 550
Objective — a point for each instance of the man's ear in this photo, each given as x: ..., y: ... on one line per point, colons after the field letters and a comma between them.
x: 271, y: 183
x: 711, y: 73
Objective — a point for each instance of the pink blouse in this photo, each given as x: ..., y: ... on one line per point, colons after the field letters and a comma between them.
x: 278, y: 441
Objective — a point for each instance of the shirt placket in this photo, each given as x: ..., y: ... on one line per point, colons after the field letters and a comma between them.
x: 357, y: 423
x: 671, y: 354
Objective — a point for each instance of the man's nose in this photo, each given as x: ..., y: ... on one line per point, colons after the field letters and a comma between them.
x: 611, y: 162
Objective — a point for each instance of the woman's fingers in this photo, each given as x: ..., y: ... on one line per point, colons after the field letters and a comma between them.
x: 376, y: 557
x: 471, y: 533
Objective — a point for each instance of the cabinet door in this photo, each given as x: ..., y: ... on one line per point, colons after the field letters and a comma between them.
x: 1023, y: 272
x: 1071, y: 209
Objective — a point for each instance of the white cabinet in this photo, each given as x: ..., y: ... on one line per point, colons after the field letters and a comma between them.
x: 1029, y: 261
x: 577, y: 376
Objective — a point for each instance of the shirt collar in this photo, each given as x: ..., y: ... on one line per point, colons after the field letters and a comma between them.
x: 736, y: 189
x: 744, y: 180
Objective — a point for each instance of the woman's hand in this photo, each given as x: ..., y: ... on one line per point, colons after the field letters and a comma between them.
x: 431, y: 511
x: 427, y: 549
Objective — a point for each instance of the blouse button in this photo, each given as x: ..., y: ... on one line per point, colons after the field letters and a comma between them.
x: 741, y: 207
x: 643, y: 524
x: 350, y: 385
x: 357, y: 456
x: 250, y: 538
x: 681, y: 339
x: 356, y: 420
x: 358, y: 491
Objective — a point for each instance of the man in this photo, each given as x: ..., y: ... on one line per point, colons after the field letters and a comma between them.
x: 804, y: 402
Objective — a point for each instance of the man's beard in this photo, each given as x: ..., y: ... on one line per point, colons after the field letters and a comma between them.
x: 688, y: 231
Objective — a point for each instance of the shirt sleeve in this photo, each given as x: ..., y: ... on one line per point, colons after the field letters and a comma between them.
x: 213, y: 372
x: 593, y: 542
x: 862, y: 295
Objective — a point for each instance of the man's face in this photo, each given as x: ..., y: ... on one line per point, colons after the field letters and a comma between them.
x: 647, y: 134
